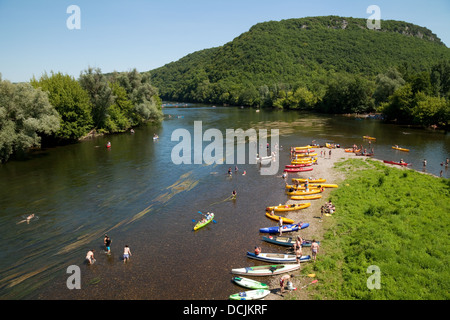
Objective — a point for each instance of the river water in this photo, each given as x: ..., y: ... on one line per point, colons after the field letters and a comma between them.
x: 139, y: 197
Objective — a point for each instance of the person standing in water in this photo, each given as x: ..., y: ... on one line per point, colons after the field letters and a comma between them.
x: 90, y: 257
x: 107, y: 241
x: 233, y: 194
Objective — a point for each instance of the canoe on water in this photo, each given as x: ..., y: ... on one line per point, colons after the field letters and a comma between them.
x: 309, y: 180
x: 277, y: 218
x: 201, y: 224
x: 397, y: 163
x: 289, y: 207
x: 266, y: 270
x: 298, y: 169
x: 277, y: 257
x: 311, y: 197
x: 250, y: 283
x: 286, y: 241
x: 401, y: 149
x: 369, y: 138
x: 250, y: 295
x: 303, y: 148
x: 285, y: 228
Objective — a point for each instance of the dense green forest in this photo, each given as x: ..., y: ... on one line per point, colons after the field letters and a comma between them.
x: 58, y: 108
x: 325, y: 64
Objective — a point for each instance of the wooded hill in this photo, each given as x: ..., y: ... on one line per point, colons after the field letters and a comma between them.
x: 292, y: 64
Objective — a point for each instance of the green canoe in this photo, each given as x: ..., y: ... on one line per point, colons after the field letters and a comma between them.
x: 249, y: 283
x: 202, y: 224
x: 250, y: 295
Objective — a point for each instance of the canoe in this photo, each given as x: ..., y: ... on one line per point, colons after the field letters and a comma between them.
x: 310, y: 180
x: 302, y: 165
x: 369, y: 138
x: 303, y: 193
x: 266, y: 270
x: 289, y: 207
x: 397, y: 163
x: 352, y: 151
x: 330, y: 146
x: 303, y: 148
x: 277, y: 257
x: 286, y: 241
x: 401, y: 149
x: 312, y: 186
x: 277, y: 218
x: 298, y: 169
x: 303, y: 155
x: 304, y: 151
x: 250, y: 295
x: 249, y: 283
x: 311, y: 197
x: 364, y: 154
x: 303, y: 160
x: 285, y: 228
x: 202, y: 224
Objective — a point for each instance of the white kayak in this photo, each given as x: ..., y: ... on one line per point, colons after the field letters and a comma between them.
x: 277, y: 257
x: 250, y: 295
x: 267, y: 270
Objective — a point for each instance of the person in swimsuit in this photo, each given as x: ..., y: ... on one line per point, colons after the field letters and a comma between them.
x: 280, y: 225
x: 31, y: 216
x: 283, y: 280
x: 107, y: 241
x: 314, y: 249
x: 90, y: 257
x: 126, y: 254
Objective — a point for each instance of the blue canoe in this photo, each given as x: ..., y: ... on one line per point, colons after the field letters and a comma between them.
x: 285, y: 228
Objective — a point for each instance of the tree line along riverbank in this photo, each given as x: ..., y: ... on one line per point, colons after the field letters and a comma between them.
x: 393, y: 219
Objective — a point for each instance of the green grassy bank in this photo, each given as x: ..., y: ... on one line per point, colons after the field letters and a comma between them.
x: 397, y: 220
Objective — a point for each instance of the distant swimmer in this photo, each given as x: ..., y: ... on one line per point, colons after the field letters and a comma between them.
x: 27, y: 220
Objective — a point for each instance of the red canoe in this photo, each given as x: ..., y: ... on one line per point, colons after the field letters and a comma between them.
x: 304, y: 151
x: 292, y: 166
x: 298, y: 169
x: 397, y: 163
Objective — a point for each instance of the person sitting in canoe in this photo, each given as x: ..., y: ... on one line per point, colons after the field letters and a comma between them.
x: 401, y: 161
x: 257, y: 250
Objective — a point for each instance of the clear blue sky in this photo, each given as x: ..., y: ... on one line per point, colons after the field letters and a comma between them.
x: 145, y: 34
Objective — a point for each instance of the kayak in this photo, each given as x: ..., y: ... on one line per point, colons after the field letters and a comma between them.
x: 310, y: 180
x: 291, y: 207
x: 304, y: 151
x: 330, y: 146
x: 302, y: 165
x: 303, y: 155
x: 304, y: 148
x: 277, y: 257
x: 369, y: 138
x: 298, y: 169
x: 250, y: 295
x: 311, y: 197
x: 312, y: 186
x: 397, y: 163
x: 352, y: 151
x: 202, y: 224
x: 249, y: 283
x: 303, y: 193
x: 266, y: 270
x: 303, y: 160
x: 401, y: 149
x: 286, y: 241
x: 285, y: 228
x: 277, y: 218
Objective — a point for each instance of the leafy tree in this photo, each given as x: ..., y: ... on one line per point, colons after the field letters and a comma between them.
x: 387, y: 83
x: 25, y: 115
x: 71, y: 102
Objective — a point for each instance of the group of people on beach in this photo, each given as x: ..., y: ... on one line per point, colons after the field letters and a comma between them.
x: 90, y: 259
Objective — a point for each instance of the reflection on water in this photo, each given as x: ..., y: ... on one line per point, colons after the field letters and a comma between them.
x: 140, y: 198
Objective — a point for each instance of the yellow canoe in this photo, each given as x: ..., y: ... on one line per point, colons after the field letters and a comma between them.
x: 311, y: 197
x: 303, y: 193
x: 303, y: 161
x: 304, y: 148
x: 369, y: 138
x: 311, y: 186
x: 289, y: 207
x: 277, y: 218
x: 306, y: 155
x: 401, y: 149
x: 309, y: 180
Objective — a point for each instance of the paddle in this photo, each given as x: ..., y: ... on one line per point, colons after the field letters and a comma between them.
x: 204, y: 214
x: 315, y: 281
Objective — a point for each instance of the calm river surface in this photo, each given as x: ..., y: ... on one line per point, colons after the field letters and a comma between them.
x: 140, y: 198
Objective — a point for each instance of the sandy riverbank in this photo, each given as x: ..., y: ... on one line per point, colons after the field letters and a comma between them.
x: 316, y: 229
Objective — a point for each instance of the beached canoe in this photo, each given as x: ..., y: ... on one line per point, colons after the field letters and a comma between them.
x: 304, y: 148
x: 303, y: 160
x: 285, y: 228
x: 298, y: 169
x: 250, y: 295
x: 309, y: 180
x: 330, y: 145
x: 311, y: 197
x: 369, y: 138
x: 302, y: 165
x: 277, y: 257
x: 249, y: 283
x: 397, y: 163
x: 401, y: 149
x: 266, y: 270
x: 201, y: 224
x: 287, y: 241
x: 311, y: 186
x: 303, y: 192
x: 352, y: 151
x: 303, y: 155
x: 277, y: 218
x: 304, y: 151
x: 289, y: 207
